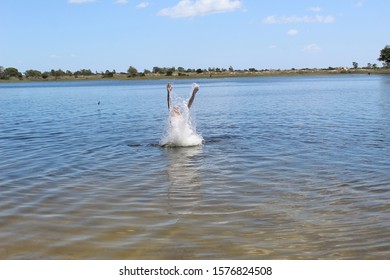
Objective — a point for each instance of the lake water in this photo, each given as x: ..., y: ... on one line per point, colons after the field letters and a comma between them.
x: 290, y: 168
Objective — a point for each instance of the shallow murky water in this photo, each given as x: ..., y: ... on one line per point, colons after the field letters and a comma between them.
x: 291, y: 168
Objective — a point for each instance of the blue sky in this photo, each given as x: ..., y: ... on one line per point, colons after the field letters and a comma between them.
x: 114, y: 34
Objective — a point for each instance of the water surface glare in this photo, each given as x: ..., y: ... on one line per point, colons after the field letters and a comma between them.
x: 291, y: 168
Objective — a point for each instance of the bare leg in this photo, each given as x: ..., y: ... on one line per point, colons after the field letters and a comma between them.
x: 169, y: 99
x: 196, y: 88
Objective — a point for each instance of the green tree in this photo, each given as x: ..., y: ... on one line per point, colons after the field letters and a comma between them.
x: 1, y: 72
x: 83, y: 72
x: 385, y: 56
x: 33, y: 74
x: 12, y: 72
x: 132, y: 71
x: 355, y: 65
x: 57, y: 73
x: 161, y: 70
x: 45, y: 75
x: 169, y: 72
x: 108, y: 74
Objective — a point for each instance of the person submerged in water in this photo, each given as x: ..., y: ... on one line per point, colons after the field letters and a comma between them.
x: 175, y: 111
x: 180, y: 131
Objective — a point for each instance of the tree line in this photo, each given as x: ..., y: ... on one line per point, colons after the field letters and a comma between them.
x: 12, y: 72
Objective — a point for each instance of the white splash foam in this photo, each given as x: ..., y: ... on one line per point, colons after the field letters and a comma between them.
x: 180, y: 129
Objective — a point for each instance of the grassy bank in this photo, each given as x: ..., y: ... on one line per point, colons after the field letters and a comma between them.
x: 207, y: 75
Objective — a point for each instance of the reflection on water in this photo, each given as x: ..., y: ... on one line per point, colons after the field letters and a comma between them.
x: 184, y: 192
x: 291, y: 168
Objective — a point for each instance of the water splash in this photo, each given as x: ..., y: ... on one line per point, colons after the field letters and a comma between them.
x: 180, y: 129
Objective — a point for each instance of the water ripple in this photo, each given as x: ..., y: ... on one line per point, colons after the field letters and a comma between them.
x: 291, y: 168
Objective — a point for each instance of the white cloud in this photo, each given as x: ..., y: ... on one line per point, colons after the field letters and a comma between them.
x: 359, y: 4
x: 315, y: 9
x: 142, y: 5
x: 121, y: 1
x: 298, y: 19
x: 189, y: 8
x: 272, y: 46
x: 292, y: 32
x: 80, y: 1
x: 312, y: 48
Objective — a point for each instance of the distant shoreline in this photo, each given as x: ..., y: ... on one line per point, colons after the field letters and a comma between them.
x: 206, y: 75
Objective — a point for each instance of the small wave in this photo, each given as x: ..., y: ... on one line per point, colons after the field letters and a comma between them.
x: 218, y: 138
x: 134, y: 145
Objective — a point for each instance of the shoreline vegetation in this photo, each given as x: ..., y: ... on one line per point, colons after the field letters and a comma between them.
x: 13, y: 75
